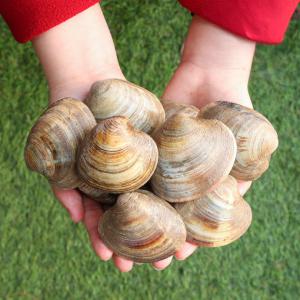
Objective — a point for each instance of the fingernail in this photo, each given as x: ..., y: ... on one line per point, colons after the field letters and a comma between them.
x: 124, y: 270
x: 71, y: 216
x: 180, y: 258
x: 156, y: 269
x: 74, y: 219
x: 105, y: 257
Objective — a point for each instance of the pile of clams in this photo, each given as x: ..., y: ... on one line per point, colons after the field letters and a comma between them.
x: 168, y: 173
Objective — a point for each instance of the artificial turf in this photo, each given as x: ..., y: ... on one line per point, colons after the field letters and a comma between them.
x: 44, y: 256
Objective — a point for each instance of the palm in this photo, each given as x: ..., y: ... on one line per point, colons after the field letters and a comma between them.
x: 189, y: 85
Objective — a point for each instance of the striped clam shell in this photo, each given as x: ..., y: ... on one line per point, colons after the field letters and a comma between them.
x: 142, y: 227
x: 195, y: 155
x: 97, y: 194
x: 117, y: 158
x: 115, y: 97
x: 52, y: 142
x: 173, y: 108
x: 255, y: 137
x: 217, y: 219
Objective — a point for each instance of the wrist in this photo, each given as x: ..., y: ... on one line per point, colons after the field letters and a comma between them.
x: 77, y: 52
x: 196, y: 86
x: 210, y: 85
x: 215, y: 65
x: 211, y: 47
x: 78, y: 86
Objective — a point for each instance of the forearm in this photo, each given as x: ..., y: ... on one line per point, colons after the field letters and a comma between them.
x: 77, y: 52
x: 215, y: 65
x: 212, y: 48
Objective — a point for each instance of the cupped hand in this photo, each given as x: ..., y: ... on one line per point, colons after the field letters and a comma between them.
x: 87, y: 55
x: 191, y: 84
x: 215, y: 65
x: 81, y: 208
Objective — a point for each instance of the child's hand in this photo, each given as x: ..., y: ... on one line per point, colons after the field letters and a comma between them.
x: 74, y: 54
x: 215, y: 65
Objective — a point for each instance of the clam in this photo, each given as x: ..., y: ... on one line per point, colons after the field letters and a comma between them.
x: 117, y: 158
x: 218, y: 218
x: 195, y: 155
x: 97, y: 194
x: 255, y: 137
x: 142, y: 227
x: 115, y: 97
x: 52, y: 142
x: 173, y: 108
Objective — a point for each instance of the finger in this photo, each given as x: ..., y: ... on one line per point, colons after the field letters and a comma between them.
x: 93, y: 213
x: 162, y: 264
x: 244, y: 186
x: 72, y: 201
x: 123, y: 264
x: 186, y: 250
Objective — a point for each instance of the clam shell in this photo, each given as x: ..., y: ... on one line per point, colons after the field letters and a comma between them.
x: 173, y: 108
x: 115, y: 97
x: 117, y: 158
x: 142, y: 227
x: 194, y: 156
x: 97, y: 194
x: 217, y: 219
x: 52, y: 142
x: 255, y: 137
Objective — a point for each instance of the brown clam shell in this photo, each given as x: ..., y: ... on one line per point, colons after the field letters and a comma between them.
x: 142, y: 227
x: 174, y: 108
x: 52, y: 142
x: 116, y: 97
x: 97, y: 194
x: 117, y: 158
x: 195, y: 155
x: 255, y: 137
x: 218, y: 218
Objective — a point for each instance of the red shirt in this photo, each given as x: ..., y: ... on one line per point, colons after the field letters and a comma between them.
x: 260, y: 20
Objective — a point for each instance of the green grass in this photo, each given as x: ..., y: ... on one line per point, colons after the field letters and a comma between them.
x: 44, y: 256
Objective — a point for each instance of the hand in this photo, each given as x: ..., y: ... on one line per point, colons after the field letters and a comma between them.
x: 215, y: 65
x: 74, y: 54
x: 86, y: 54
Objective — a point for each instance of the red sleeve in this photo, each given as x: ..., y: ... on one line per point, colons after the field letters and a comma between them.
x: 262, y: 21
x: 29, y: 18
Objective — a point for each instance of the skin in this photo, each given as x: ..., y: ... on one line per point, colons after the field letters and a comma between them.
x: 215, y: 65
